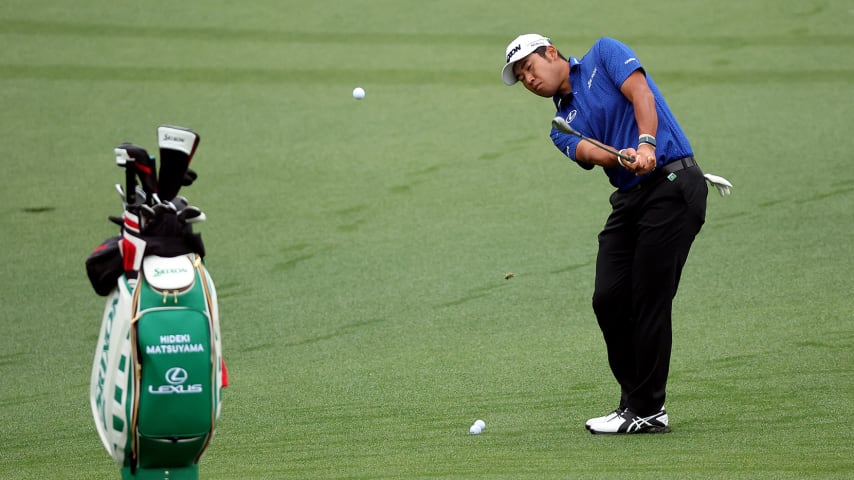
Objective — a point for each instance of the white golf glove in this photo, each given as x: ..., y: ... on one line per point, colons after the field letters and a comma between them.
x: 721, y: 183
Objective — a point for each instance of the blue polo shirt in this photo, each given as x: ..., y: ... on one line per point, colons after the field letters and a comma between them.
x: 597, y: 109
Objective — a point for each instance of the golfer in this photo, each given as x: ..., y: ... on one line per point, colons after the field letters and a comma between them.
x: 658, y: 208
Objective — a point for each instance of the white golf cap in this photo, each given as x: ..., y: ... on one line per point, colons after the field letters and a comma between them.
x: 518, y: 49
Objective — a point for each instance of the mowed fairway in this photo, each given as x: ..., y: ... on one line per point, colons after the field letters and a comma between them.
x: 360, y: 247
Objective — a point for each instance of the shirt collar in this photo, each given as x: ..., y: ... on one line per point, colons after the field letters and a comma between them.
x: 573, y: 64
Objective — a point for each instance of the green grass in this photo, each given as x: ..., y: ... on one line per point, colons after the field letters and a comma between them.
x: 359, y: 248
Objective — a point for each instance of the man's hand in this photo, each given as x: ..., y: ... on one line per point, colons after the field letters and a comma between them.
x: 644, y: 159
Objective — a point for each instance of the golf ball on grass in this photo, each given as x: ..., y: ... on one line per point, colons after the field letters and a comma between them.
x: 358, y: 93
x: 477, y: 427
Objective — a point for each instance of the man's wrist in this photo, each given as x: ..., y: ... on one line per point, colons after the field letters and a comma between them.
x: 648, y: 139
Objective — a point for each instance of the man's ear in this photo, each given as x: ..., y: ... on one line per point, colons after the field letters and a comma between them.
x: 551, y: 52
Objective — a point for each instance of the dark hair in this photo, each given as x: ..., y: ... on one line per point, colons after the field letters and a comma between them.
x: 541, y: 51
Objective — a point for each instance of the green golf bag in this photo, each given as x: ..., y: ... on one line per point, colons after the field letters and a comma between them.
x: 158, y: 372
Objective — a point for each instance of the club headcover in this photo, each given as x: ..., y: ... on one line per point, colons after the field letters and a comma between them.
x: 177, y: 147
x: 104, y: 265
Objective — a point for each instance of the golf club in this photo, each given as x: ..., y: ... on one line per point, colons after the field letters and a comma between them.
x: 125, y: 160
x: 140, y: 194
x: 561, y: 124
x: 723, y: 185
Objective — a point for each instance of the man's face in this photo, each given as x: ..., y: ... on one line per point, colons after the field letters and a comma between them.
x: 540, y: 75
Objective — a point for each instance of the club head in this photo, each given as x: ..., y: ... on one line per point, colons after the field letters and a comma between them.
x: 191, y: 215
x: 147, y: 216
x: 561, y: 124
x: 122, y: 156
x: 163, y: 208
x: 180, y: 202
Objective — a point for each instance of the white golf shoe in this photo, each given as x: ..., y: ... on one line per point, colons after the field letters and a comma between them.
x: 604, y: 418
x: 626, y: 422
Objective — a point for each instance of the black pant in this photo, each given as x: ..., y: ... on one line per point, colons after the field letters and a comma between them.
x: 642, y: 250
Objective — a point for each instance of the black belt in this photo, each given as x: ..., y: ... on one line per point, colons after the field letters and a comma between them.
x: 658, y: 173
x: 679, y: 164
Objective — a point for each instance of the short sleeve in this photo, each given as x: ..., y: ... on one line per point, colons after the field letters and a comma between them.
x: 567, y: 144
x: 618, y: 59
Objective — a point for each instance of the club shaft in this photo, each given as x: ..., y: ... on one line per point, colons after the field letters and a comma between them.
x: 564, y: 127
x: 130, y: 184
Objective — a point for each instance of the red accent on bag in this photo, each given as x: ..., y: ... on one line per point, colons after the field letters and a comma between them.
x: 128, y: 254
x: 224, y: 374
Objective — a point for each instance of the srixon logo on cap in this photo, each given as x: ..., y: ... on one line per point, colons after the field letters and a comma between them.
x: 513, y: 52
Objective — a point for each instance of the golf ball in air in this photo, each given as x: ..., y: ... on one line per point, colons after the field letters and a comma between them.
x: 358, y: 93
x: 475, y: 429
